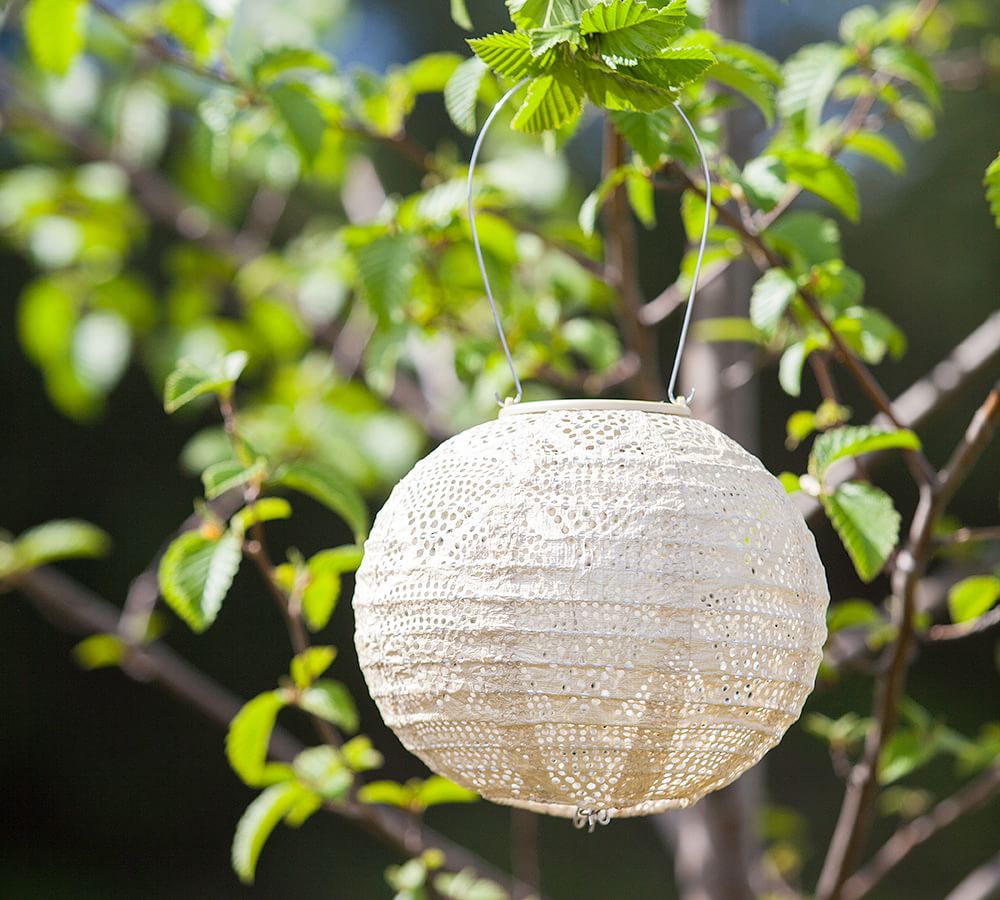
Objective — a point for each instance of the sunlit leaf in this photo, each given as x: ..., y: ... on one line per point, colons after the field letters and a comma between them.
x: 867, y: 522
x: 55, y: 31
x: 972, y: 597
x: 249, y: 736
x: 196, y: 573
x: 258, y: 821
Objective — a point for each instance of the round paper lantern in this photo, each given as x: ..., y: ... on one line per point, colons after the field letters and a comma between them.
x: 590, y: 609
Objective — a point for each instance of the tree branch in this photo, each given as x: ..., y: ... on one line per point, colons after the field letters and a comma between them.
x: 862, y: 787
x: 911, y: 835
x: 76, y: 610
x: 622, y: 267
x: 980, y: 884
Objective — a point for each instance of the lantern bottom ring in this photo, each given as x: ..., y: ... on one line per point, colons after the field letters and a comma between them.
x: 590, y: 818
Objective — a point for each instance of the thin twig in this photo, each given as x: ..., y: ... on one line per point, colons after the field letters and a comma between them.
x: 76, y: 610
x: 982, y: 883
x: 911, y: 835
x: 965, y: 629
x: 862, y: 789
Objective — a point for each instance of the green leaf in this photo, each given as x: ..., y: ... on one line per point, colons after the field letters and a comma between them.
x: 770, y: 298
x: 908, y: 64
x: 809, y: 76
x: 675, y: 67
x: 359, y: 754
x: 728, y: 328
x: 790, y: 482
x: 625, y: 31
x: 437, y: 790
x: 338, y: 560
x: 618, y: 90
x: 429, y: 74
x: 749, y: 72
x: 596, y: 341
x: 507, y: 54
x: 55, y: 31
x: 331, y: 701
x: 807, y: 238
x: 916, y: 118
x: 258, y: 821
x: 904, y: 752
x: 972, y: 597
x: 301, y: 115
x: 867, y: 523
x: 639, y: 190
x: 790, y: 367
x: 648, y: 134
x: 387, y: 267
x: 267, y: 510
x: 545, y: 39
x: 54, y: 541
x: 460, y: 15
x: 225, y: 475
x: 276, y: 63
x: 992, y: 184
x: 462, y: 91
x: 249, y: 736
x: 323, y: 769
x: 100, y: 651
x: 308, y: 665
x: 591, y: 206
x: 852, y: 614
x: 552, y: 101
x: 764, y: 181
x: 877, y: 147
x: 196, y: 573
x: 388, y: 793
x: 189, y: 381
x: 823, y: 177
x: 331, y: 488
x: 842, y: 443
x: 528, y: 14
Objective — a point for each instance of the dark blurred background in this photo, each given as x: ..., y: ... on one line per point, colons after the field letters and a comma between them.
x: 109, y: 789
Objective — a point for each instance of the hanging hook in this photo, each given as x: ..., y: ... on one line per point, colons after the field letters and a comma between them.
x: 671, y: 396
x: 479, y: 250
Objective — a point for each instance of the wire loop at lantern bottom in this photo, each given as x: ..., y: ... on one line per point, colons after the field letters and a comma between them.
x: 590, y: 606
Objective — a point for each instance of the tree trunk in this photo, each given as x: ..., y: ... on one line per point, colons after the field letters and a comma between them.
x: 717, y: 847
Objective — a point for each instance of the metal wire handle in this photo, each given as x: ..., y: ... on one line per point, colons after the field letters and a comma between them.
x: 486, y: 279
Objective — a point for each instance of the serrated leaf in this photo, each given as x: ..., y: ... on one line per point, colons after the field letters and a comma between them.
x: 387, y: 267
x: 100, y: 651
x: 764, y: 182
x: 249, y: 736
x: 867, y: 523
x: 855, y: 440
x: 332, y: 702
x: 225, y: 475
x: 55, y: 31
x: 196, y: 573
x: 188, y: 381
x: 552, y: 101
x: 258, y: 821
x: 545, y: 39
x: 302, y: 117
x: 909, y: 65
x: 528, y: 14
x: 359, y: 754
x: 625, y: 31
x: 437, y: 790
x: 460, y: 15
x: 462, y: 91
x: 278, y: 62
x: 852, y: 614
x: 823, y: 177
x: 675, y: 67
x: 330, y: 487
x: 770, y: 298
x: 749, y: 72
x: 54, y: 541
x: 509, y: 55
x: 269, y: 509
x: 614, y: 89
x: 809, y: 77
x: 324, y: 770
x: 992, y: 184
x: 319, y: 599
x: 312, y: 662
x: 972, y: 597
x: 648, y: 134
x: 877, y: 147
x: 386, y: 792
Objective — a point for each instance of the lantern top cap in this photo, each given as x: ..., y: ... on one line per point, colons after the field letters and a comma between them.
x: 649, y: 406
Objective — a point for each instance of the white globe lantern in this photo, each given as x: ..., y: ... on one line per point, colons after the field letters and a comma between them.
x: 590, y: 609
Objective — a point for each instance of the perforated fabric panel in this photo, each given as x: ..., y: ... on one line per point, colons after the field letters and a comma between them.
x: 590, y: 609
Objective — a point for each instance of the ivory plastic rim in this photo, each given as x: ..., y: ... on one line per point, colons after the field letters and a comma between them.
x: 541, y: 406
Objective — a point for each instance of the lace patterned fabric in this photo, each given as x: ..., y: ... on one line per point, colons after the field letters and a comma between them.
x: 590, y: 609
